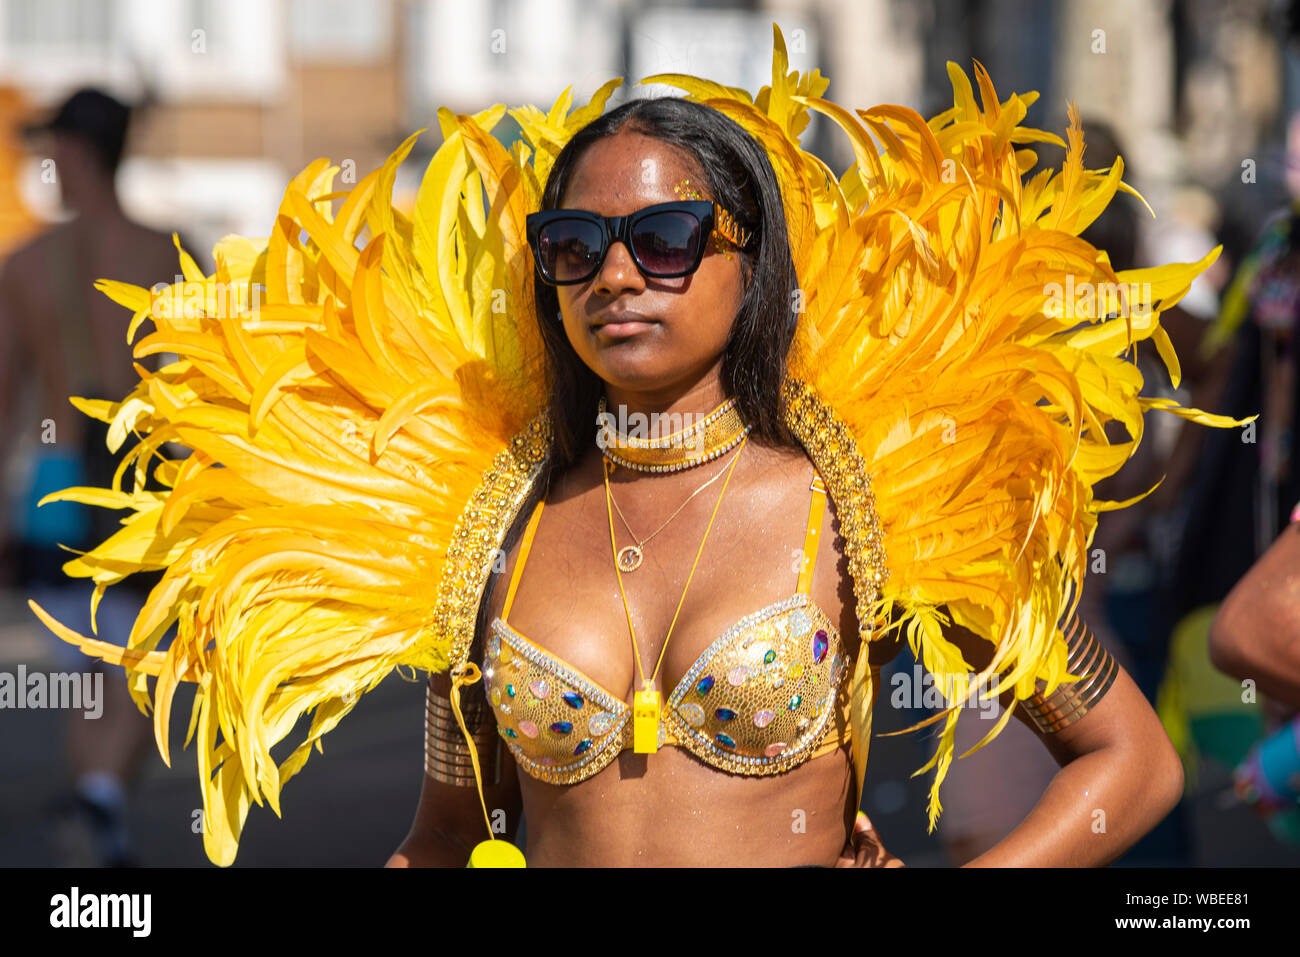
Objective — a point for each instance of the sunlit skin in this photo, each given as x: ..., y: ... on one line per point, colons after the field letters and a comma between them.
x: 669, y: 808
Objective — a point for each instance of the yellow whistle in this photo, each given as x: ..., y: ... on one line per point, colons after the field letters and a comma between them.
x: 496, y: 854
x: 645, y: 722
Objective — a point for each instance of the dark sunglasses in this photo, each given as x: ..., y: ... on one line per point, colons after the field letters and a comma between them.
x: 666, y: 240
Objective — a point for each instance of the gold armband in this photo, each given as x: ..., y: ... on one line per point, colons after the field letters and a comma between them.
x: 1071, y: 701
x: 446, y: 753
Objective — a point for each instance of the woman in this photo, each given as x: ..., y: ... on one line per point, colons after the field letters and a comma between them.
x: 699, y: 340
x: 902, y: 422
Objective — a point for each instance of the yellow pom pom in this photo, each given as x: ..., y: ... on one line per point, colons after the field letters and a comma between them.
x: 496, y: 854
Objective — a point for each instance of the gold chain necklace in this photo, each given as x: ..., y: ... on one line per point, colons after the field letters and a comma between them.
x: 629, y: 556
x: 646, y: 702
x: 715, y: 434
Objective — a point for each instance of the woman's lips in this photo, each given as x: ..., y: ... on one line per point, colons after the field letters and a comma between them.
x: 620, y: 330
x: 624, y: 325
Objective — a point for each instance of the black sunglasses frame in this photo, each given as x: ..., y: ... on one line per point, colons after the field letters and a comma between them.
x: 619, y: 229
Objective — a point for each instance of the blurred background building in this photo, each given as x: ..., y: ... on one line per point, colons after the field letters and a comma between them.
x: 234, y: 96
x: 240, y: 93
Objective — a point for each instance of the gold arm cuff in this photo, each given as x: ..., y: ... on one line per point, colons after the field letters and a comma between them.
x: 446, y: 753
x: 1070, y: 702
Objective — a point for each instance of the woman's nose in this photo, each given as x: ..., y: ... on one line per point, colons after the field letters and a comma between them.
x: 619, y: 270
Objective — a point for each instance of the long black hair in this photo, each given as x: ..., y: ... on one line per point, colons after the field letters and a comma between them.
x: 735, y: 171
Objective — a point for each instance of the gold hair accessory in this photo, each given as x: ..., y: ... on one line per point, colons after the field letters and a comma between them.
x: 714, y: 435
x: 724, y: 224
x: 1070, y: 702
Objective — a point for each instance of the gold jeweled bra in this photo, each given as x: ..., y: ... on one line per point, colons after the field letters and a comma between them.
x: 765, y: 696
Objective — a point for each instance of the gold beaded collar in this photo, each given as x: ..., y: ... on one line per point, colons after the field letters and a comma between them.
x: 702, y: 442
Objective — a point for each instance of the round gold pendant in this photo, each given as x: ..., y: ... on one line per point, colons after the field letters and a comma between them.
x: 629, y: 558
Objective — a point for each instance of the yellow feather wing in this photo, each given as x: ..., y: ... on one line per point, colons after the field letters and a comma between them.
x: 341, y: 401
x: 973, y: 346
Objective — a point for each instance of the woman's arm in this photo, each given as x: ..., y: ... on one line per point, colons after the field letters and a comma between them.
x: 1119, y: 777
x: 449, y: 818
x: 1256, y: 632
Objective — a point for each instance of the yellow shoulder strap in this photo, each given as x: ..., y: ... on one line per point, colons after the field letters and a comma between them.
x: 523, y: 557
x: 813, y: 535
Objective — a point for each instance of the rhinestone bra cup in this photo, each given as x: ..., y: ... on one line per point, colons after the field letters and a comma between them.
x: 759, y: 700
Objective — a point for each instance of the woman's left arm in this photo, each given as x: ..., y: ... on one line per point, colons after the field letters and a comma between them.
x: 1119, y: 777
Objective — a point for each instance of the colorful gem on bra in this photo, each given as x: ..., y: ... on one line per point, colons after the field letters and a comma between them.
x: 510, y: 690
x: 506, y: 656
x: 600, y: 723
x: 692, y: 714
x: 725, y: 741
x: 800, y: 622
x: 820, y: 645
x: 772, y: 750
x: 737, y: 675
x: 725, y: 714
x: 705, y: 685
x: 528, y: 728
x: 562, y: 727
x: 540, y: 689
x: 572, y: 699
x: 494, y: 646
x: 795, y: 702
x: 583, y: 746
x: 769, y: 657
x: 510, y: 733
x: 763, y: 718
x: 496, y: 696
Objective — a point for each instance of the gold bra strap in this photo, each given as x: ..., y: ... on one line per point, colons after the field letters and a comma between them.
x: 523, y: 557
x: 813, y: 535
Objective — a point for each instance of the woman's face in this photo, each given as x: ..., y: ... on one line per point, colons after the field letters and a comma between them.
x: 688, y: 319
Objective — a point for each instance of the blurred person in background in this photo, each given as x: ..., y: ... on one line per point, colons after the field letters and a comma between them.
x: 1255, y: 637
x: 59, y: 337
x: 1246, y: 484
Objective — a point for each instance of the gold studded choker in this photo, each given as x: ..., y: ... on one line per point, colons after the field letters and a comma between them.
x: 704, y: 441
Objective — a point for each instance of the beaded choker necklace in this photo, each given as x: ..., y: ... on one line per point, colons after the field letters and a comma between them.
x: 702, y: 442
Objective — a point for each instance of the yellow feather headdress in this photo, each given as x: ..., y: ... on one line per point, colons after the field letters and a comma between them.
x: 345, y: 407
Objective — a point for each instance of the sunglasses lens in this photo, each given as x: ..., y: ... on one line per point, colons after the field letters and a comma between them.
x: 569, y: 249
x: 667, y: 243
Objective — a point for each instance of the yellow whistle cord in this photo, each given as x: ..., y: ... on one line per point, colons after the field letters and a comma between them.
x: 614, y: 546
x: 466, y: 674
